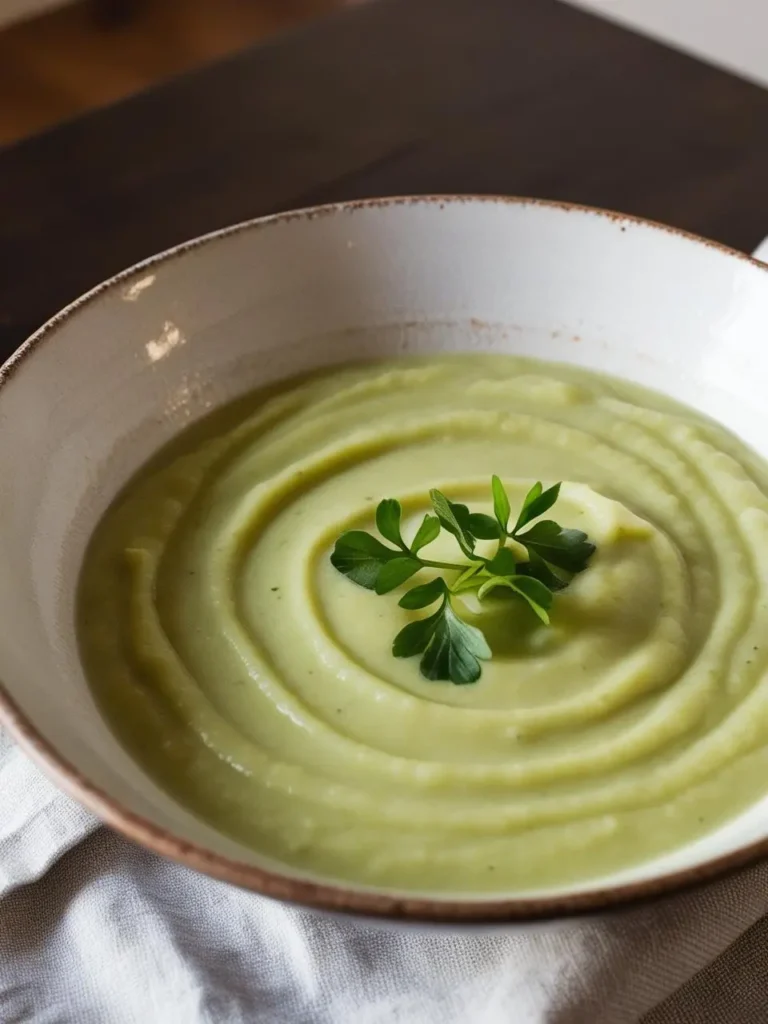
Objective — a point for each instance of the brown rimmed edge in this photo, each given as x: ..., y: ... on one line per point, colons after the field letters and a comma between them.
x: 335, y: 897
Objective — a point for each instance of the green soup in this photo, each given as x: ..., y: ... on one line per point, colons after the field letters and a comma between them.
x: 257, y: 684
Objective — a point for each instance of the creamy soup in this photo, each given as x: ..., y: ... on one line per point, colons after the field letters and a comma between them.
x: 256, y: 683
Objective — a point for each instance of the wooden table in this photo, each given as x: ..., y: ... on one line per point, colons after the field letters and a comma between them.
x: 397, y: 96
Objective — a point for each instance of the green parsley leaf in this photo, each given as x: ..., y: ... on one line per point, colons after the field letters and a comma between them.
x: 503, y: 563
x: 500, y: 503
x: 455, y: 519
x: 563, y: 548
x: 360, y: 557
x: 423, y: 595
x: 413, y: 638
x: 483, y: 527
x: 528, y: 500
x: 426, y: 533
x: 455, y: 650
x: 536, y: 503
x: 394, y: 572
x: 493, y: 583
x: 388, y: 513
x: 452, y: 649
x: 539, y: 570
x: 537, y: 596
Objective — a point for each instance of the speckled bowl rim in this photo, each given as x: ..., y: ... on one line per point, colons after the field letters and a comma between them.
x: 335, y: 896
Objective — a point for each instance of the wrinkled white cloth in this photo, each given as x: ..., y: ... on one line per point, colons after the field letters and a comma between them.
x: 95, y: 930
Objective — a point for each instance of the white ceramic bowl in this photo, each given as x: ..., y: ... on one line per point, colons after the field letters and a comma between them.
x: 87, y: 399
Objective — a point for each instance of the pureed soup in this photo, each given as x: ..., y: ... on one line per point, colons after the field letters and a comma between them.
x: 256, y: 682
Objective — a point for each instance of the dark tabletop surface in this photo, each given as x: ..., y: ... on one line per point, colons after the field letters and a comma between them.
x: 398, y: 96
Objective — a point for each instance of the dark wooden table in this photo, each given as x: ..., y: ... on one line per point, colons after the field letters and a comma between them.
x: 396, y: 96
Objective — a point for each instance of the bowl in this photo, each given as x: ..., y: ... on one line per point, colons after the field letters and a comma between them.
x: 96, y: 391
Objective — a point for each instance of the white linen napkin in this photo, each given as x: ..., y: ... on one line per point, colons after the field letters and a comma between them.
x: 114, y: 933
x: 37, y: 822
x: 94, y: 929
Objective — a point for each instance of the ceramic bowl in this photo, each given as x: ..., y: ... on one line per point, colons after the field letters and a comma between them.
x: 90, y: 396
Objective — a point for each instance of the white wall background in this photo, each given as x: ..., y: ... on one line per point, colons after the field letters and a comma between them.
x: 732, y: 33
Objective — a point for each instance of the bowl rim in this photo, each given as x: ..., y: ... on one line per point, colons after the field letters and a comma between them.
x: 335, y: 896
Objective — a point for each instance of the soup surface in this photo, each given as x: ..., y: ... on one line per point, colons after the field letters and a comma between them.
x: 257, y: 684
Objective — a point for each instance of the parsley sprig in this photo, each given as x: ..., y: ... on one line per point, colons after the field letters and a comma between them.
x: 451, y: 648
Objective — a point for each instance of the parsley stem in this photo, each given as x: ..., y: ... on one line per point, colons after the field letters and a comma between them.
x: 428, y: 564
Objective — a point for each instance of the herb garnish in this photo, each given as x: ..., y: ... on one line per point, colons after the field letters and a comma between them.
x: 450, y: 648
